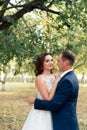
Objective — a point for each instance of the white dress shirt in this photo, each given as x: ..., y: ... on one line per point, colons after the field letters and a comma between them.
x: 65, y: 72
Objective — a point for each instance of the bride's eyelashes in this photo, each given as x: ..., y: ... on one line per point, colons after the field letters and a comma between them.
x: 48, y: 60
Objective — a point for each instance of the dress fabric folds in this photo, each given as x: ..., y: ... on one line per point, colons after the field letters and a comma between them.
x: 40, y: 119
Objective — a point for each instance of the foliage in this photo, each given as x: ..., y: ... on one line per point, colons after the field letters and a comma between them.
x: 32, y: 27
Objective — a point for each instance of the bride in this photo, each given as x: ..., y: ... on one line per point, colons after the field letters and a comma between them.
x: 45, y: 83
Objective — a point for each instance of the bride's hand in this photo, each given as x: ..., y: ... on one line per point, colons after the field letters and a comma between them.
x: 57, y: 77
x: 31, y: 100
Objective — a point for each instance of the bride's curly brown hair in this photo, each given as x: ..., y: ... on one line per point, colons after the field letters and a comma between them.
x: 39, y: 63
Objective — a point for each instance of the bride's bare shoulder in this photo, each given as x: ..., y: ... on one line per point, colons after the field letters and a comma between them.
x: 39, y: 77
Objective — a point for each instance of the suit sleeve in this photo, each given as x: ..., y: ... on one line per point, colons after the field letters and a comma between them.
x: 62, y: 93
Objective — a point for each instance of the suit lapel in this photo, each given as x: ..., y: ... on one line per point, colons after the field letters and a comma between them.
x: 64, y: 76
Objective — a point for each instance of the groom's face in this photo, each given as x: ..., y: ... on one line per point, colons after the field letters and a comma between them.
x: 60, y: 63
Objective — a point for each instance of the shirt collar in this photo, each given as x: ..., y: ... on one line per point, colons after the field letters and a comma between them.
x: 65, y: 72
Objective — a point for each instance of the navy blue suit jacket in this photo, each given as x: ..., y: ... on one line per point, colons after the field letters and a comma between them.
x: 63, y: 104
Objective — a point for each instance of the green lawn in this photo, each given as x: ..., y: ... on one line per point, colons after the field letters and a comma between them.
x: 14, y: 108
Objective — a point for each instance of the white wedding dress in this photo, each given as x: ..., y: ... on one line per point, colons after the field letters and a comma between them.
x: 39, y: 119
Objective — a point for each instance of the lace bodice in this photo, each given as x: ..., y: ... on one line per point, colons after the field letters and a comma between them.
x: 49, y: 81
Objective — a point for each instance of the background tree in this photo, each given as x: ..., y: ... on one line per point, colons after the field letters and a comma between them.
x: 51, y: 25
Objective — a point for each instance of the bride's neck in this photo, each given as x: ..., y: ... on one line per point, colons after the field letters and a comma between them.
x: 46, y: 73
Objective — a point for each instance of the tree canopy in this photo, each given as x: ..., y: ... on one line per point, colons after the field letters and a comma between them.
x: 30, y: 27
x: 65, y: 9
x: 22, y: 7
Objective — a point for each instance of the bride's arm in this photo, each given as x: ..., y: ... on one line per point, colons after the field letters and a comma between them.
x: 52, y: 92
x: 40, y: 84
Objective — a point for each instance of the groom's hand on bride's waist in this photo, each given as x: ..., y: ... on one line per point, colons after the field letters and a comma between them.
x: 31, y: 100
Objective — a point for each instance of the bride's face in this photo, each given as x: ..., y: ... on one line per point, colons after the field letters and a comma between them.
x: 48, y: 63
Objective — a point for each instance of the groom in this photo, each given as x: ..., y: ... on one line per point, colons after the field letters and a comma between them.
x: 63, y: 105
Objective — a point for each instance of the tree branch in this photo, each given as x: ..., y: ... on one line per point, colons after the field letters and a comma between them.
x: 79, y: 65
x: 2, y: 81
x: 7, y: 21
x: 5, y: 4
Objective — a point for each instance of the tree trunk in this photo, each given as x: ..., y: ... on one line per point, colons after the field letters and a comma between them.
x: 3, y: 81
x: 3, y: 86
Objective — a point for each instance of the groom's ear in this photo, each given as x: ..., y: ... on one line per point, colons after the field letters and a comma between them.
x: 66, y: 62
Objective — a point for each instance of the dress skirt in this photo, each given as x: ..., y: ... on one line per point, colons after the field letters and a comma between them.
x: 38, y: 120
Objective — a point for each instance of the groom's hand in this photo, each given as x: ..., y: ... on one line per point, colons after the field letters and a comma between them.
x: 31, y: 100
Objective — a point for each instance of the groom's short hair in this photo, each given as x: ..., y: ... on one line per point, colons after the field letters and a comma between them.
x: 68, y: 55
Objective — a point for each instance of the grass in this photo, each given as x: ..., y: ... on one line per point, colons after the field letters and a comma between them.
x: 14, y: 108
x: 82, y: 108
